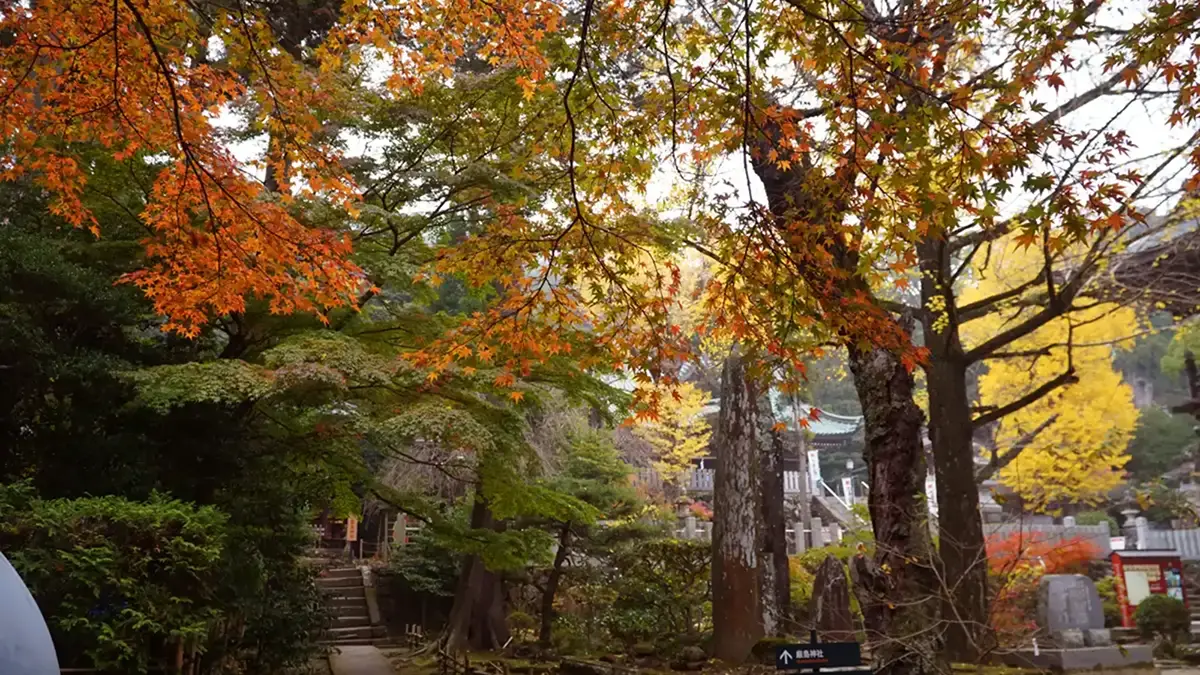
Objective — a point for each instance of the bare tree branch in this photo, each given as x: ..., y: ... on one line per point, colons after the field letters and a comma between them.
x: 1068, y: 377
x: 1007, y: 458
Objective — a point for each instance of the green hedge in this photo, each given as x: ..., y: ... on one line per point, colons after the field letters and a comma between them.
x: 118, y: 581
x: 125, y: 586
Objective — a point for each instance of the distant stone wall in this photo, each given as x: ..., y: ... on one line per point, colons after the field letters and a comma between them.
x: 1099, y: 535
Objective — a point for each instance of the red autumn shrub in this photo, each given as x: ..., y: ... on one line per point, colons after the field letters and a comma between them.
x: 1016, y: 564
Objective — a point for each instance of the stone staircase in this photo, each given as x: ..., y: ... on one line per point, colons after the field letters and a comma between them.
x: 833, y: 510
x: 346, y: 597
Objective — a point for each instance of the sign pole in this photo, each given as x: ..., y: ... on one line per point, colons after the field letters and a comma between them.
x: 812, y: 640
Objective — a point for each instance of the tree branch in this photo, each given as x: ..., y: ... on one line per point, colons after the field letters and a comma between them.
x: 981, y: 307
x: 1068, y: 377
x: 1007, y: 458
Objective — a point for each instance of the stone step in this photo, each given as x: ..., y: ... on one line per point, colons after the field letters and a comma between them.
x: 338, y: 603
x: 350, y: 641
x: 336, y: 635
x: 342, y: 573
x: 344, y: 592
x: 348, y: 611
x: 351, y: 621
x: 1124, y: 635
x: 340, y: 582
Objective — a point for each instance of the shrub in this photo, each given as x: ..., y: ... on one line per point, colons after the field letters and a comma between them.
x: 661, y: 588
x: 125, y: 585
x: 1016, y: 564
x: 1162, y: 617
x: 645, y: 590
x: 1097, y: 517
x: 121, y: 583
x: 1107, y: 588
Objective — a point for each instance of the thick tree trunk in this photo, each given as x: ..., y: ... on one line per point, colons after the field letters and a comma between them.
x: 775, y: 590
x: 897, y: 588
x: 560, y: 558
x: 477, y: 617
x: 737, y: 609
x: 962, y: 554
x: 962, y: 551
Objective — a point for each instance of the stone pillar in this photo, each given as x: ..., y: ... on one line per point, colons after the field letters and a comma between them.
x: 818, y: 533
x: 835, y: 533
x: 1129, y: 528
x: 400, y: 530
x: 800, y: 542
x: 689, y: 528
x: 1142, y: 527
x: 1068, y: 521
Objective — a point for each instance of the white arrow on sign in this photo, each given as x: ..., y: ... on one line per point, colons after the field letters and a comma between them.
x: 785, y: 657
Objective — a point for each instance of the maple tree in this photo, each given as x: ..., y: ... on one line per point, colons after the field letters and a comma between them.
x: 886, y: 139
x: 139, y: 79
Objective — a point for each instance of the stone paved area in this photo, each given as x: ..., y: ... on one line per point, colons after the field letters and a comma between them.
x: 359, y: 660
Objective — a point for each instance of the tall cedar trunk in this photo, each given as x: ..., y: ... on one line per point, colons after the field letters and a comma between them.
x: 775, y: 588
x: 477, y: 618
x: 560, y: 558
x: 897, y: 588
x: 737, y: 610
x: 962, y: 554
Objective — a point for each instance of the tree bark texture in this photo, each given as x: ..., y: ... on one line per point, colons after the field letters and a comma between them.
x: 737, y: 608
x: 962, y: 552
x: 775, y: 588
x: 898, y: 587
x: 560, y: 558
x: 477, y: 618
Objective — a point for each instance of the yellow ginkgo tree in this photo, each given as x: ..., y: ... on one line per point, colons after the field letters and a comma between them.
x: 679, y: 433
x: 1069, y: 443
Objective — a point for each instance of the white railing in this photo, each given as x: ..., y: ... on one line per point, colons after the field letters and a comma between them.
x: 835, y: 495
x: 695, y: 529
x: 701, y: 480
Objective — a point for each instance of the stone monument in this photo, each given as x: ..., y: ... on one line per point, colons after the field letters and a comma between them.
x: 829, y: 606
x: 1069, y: 612
x: 1071, y: 633
x: 25, y: 645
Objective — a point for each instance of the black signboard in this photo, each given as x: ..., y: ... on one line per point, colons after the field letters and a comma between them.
x: 818, y: 655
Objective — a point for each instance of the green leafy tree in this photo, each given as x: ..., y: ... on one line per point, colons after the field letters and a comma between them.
x: 1161, y: 441
x: 595, y: 475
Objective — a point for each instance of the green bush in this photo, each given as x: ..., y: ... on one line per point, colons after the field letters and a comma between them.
x: 649, y: 589
x: 1097, y: 517
x: 662, y: 589
x: 123, y: 584
x: 120, y: 582
x: 1162, y: 617
x: 1107, y: 588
